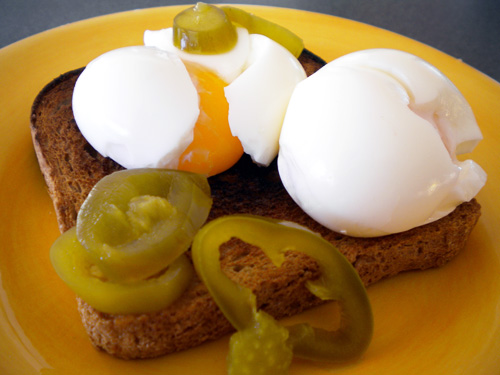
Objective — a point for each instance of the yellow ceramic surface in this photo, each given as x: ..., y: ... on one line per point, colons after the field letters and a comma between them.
x: 444, y: 321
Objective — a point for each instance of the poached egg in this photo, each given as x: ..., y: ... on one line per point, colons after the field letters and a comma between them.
x: 378, y: 153
x: 261, y: 76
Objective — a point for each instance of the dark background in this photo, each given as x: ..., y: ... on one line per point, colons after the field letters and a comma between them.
x: 465, y: 29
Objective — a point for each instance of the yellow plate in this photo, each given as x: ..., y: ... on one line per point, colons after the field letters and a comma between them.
x: 444, y: 321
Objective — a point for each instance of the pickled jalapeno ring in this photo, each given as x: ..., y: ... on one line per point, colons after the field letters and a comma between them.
x: 338, y: 281
x: 207, y: 29
x: 204, y: 29
x: 135, y: 222
x: 72, y: 264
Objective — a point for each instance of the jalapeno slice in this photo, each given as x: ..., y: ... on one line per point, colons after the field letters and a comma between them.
x: 204, y: 29
x: 338, y: 281
x: 73, y: 265
x: 257, y: 25
x: 135, y: 222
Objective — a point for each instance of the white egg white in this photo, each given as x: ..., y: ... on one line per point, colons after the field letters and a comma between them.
x: 434, y: 96
x: 368, y: 145
x: 138, y: 106
x: 258, y: 98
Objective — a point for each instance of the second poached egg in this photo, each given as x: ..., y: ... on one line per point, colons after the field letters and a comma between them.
x: 378, y: 153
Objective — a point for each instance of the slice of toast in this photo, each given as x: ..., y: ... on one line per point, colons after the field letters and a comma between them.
x: 71, y: 167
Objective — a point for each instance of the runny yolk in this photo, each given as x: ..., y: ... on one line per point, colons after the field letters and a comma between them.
x: 213, y: 149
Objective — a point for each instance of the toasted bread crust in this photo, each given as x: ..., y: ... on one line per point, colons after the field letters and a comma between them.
x: 71, y: 167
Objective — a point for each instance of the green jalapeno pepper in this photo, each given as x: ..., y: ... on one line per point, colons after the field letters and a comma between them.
x: 135, y: 222
x: 207, y: 29
x: 204, y: 29
x: 125, y: 255
x: 338, y: 281
x: 73, y: 265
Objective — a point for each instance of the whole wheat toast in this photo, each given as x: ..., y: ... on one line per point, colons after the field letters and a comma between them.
x: 71, y: 167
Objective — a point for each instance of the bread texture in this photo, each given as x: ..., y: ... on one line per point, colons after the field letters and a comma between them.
x: 71, y: 168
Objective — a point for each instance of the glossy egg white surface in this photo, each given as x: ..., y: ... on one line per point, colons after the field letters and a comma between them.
x: 138, y: 106
x: 259, y: 97
x: 368, y: 145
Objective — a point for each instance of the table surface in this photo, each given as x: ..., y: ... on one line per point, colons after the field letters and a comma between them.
x: 465, y: 29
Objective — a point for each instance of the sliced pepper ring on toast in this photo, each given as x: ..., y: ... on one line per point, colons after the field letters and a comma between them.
x: 136, y: 221
x: 72, y: 264
x: 338, y: 281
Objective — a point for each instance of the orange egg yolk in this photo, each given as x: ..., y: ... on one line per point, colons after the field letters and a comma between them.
x: 213, y: 149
